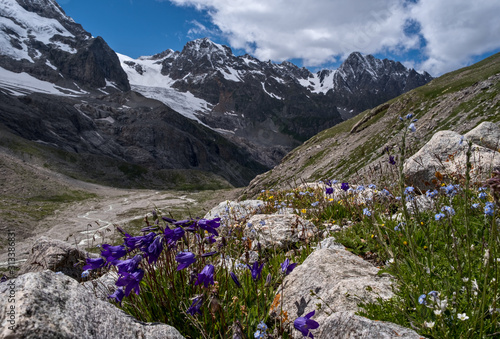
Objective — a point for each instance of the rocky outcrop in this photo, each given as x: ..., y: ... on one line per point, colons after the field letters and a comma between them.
x: 233, y: 211
x: 339, y: 280
x: 280, y: 231
x: 54, y: 255
x: 50, y: 305
x: 345, y: 325
x: 445, y: 155
x: 486, y: 134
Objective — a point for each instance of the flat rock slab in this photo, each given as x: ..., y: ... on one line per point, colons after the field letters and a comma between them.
x: 50, y: 305
x: 278, y: 230
x: 340, y: 278
x: 345, y: 325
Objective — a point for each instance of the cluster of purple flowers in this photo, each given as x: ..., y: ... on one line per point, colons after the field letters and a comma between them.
x: 150, y: 246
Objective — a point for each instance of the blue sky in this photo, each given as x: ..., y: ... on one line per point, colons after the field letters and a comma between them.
x: 432, y: 35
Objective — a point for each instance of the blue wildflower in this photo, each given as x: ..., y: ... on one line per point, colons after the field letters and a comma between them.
x: 411, y: 127
x: 409, y: 116
x: 385, y: 193
x: 372, y: 187
x: 421, y: 299
x: 367, y: 212
x: 261, y: 330
x: 489, y: 208
x: 206, y: 276
x: 305, y: 324
x: 450, y: 190
x: 85, y: 273
x: 139, y: 242
x: 482, y: 195
x: 409, y: 190
x: 448, y: 210
x: 476, y: 205
x: 314, y: 204
x: 439, y: 216
x: 361, y: 188
x: 432, y: 194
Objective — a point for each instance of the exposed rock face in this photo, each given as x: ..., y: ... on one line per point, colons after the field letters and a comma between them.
x: 345, y: 325
x: 363, y: 82
x: 139, y: 134
x: 42, y: 41
x: 446, y: 153
x: 339, y: 277
x: 233, y: 211
x: 54, y: 255
x: 50, y: 305
x: 280, y: 230
x: 486, y: 134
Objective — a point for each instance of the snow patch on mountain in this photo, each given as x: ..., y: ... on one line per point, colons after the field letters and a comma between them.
x: 17, y: 26
x: 23, y: 83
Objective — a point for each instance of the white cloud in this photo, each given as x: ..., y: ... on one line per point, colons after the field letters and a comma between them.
x: 321, y: 31
x: 456, y: 30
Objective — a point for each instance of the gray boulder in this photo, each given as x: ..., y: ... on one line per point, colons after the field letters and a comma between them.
x: 278, y: 230
x: 345, y: 325
x: 446, y: 154
x: 50, y: 305
x: 486, y: 134
x: 340, y: 281
x: 231, y: 211
x: 55, y: 255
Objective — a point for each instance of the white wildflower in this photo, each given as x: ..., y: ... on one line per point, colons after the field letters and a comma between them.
x: 429, y: 324
x: 462, y: 316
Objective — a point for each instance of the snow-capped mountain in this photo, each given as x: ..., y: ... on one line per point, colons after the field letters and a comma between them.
x: 240, y: 95
x: 61, y: 86
x: 37, y: 38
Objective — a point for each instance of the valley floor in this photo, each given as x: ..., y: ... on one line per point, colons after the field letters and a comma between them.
x: 36, y: 202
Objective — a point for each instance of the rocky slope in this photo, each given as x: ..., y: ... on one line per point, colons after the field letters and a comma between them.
x: 360, y: 147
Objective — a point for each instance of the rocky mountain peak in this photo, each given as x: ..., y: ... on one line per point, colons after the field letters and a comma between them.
x: 205, y: 47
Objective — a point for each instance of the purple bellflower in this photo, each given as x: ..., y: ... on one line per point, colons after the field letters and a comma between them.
x: 235, y: 279
x: 195, y: 306
x: 209, y: 225
x: 304, y: 324
x: 117, y: 295
x: 344, y: 186
x: 206, y: 276
x: 139, y: 242
x: 286, y: 267
x: 184, y: 259
x: 154, y: 250
x: 129, y: 265
x: 256, y: 270
x: 112, y: 253
x: 131, y: 281
x: 93, y: 264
